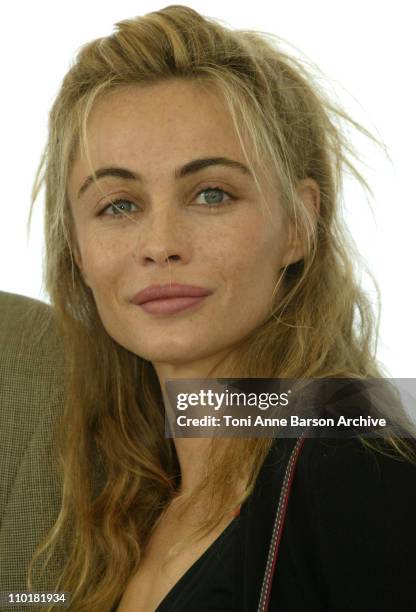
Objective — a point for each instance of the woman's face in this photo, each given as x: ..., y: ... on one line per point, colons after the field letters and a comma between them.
x: 204, y: 226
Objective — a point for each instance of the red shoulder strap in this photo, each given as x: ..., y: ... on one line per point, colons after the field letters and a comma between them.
x: 278, y: 525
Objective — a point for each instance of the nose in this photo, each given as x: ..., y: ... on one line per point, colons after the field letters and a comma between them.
x: 162, y: 240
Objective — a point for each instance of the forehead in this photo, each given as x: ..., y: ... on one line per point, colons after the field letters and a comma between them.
x: 164, y: 122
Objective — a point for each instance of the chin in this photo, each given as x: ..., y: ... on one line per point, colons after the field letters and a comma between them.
x: 167, y: 351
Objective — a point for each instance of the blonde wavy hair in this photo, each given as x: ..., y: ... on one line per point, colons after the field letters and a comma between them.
x: 119, y: 472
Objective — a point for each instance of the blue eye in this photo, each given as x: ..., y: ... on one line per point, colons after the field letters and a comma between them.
x: 118, y: 207
x: 214, y: 197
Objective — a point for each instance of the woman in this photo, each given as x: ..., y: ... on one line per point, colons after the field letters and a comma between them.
x: 181, y: 153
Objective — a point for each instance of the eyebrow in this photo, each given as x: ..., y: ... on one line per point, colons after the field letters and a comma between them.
x: 190, y: 168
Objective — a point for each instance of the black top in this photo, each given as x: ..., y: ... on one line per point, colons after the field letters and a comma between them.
x: 349, y: 537
x: 208, y: 584
x: 348, y: 541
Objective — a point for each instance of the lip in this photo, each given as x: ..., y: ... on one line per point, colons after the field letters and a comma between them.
x: 170, y: 298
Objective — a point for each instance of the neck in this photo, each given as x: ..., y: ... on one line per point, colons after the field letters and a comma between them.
x: 193, y: 460
x: 193, y: 453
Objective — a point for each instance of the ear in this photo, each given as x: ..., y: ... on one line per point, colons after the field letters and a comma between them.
x: 309, y: 192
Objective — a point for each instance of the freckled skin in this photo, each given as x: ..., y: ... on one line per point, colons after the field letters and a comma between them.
x: 236, y: 250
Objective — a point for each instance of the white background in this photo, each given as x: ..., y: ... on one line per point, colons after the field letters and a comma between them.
x: 365, y: 49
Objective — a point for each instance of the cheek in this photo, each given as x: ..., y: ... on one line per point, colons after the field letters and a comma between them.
x: 102, y: 258
x: 249, y: 253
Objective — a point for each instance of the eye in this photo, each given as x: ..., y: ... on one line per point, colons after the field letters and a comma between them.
x: 214, y: 197
x: 118, y: 207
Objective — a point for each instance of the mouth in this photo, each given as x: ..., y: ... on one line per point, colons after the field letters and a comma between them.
x: 171, y: 306
x: 170, y: 299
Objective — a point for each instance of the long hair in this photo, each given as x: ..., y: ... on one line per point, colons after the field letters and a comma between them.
x: 119, y: 471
